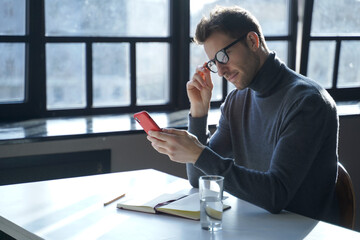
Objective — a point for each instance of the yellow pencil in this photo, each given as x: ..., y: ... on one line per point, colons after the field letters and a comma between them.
x: 117, y: 198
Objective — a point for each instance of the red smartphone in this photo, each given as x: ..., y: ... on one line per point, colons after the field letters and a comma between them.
x: 146, y: 122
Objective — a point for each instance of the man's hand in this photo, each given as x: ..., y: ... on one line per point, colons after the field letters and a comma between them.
x: 179, y: 145
x: 199, y: 90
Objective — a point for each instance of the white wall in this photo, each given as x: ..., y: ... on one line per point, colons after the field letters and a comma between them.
x: 128, y: 152
x: 349, y: 155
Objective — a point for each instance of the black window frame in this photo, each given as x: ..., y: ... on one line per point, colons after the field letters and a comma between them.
x: 179, y: 39
x: 339, y: 94
x: 34, y: 105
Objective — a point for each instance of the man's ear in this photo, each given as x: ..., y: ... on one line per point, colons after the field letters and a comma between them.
x: 254, y: 40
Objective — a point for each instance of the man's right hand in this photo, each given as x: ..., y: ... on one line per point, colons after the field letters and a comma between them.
x: 199, y: 90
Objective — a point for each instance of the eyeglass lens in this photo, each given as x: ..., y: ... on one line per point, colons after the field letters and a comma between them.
x: 212, y: 66
x: 221, y: 57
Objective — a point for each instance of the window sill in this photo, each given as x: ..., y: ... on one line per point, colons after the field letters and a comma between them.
x: 109, y: 125
x: 89, y: 126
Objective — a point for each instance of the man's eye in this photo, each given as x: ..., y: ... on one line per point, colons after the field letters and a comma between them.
x: 223, y: 58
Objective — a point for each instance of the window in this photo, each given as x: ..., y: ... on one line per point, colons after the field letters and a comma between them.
x: 331, y: 40
x: 276, y: 20
x: 12, y: 49
x: 66, y: 66
x: 12, y: 72
x: 84, y: 57
x: 65, y: 57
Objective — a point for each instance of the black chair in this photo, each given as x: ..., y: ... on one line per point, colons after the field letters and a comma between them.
x: 346, y: 197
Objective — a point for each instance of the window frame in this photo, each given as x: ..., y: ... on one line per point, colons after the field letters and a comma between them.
x: 339, y: 94
x: 34, y: 105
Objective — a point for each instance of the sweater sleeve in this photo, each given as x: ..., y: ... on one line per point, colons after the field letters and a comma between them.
x: 198, y: 127
x: 220, y: 142
x: 304, y: 130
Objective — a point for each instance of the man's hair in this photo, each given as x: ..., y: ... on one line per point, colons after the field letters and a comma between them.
x: 233, y: 21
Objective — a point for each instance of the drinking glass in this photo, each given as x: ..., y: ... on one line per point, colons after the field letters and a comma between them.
x: 211, y: 205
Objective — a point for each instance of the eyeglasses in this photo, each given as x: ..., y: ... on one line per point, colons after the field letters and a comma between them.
x: 221, y: 56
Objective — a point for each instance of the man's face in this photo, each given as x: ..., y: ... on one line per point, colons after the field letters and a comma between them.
x: 243, y: 62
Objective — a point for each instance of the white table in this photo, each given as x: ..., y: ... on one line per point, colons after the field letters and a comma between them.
x: 73, y: 209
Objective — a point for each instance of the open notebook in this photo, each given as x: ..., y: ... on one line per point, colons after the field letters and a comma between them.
x: 187, y: 206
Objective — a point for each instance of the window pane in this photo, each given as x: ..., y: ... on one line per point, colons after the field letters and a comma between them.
x: 333, y: 17
x: 281, y: 49
x: 198, y: 57
x: 12, y: 17
x: 107, y: 18
x: 321, y: 62
x: 272, y: 14
x: 111, y: 74
x: 12, y: 72
x: 65, y: 75
x: 152, y: 73
x: 349, y: 65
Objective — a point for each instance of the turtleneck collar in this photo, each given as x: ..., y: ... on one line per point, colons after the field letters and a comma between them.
x: 266, y: 78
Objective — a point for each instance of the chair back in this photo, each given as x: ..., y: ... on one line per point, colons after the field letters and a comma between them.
x: 346, y: 198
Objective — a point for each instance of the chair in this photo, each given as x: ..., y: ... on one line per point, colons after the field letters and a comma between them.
x: 346, y: 198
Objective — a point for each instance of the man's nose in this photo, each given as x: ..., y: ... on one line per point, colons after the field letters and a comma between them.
x: 221, y: 69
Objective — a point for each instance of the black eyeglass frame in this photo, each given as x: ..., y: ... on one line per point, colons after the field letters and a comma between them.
x: 215, y: 59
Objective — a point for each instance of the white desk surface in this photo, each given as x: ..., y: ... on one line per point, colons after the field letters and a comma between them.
x: 73, y: 209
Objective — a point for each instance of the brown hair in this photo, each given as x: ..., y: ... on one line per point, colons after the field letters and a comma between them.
x: 233, y: 21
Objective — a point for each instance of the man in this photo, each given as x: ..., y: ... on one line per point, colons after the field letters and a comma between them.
x: 276, y: 142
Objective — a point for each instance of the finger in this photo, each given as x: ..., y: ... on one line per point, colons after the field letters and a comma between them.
x: 200, y: 68
x: 174, y: 131
x: 200, y: 77
x: 159, y: 136
x: 159, y: 146
x: 159, y: 149
x: 208, y: 80
x: 165, y: 152
x: 194, y: 84
x: 201, y: 73
x: 205, y: 65
x: 155, y: 133
x: 197, y: 82
x: 154, y: 139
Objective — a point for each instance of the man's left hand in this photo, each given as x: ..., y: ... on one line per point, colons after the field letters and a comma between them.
x: 180, y: 145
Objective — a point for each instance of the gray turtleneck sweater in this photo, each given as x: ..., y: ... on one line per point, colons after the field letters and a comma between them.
x: 275, y: 144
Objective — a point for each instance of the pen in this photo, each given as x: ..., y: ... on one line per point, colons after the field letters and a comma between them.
x: 117, y: 198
